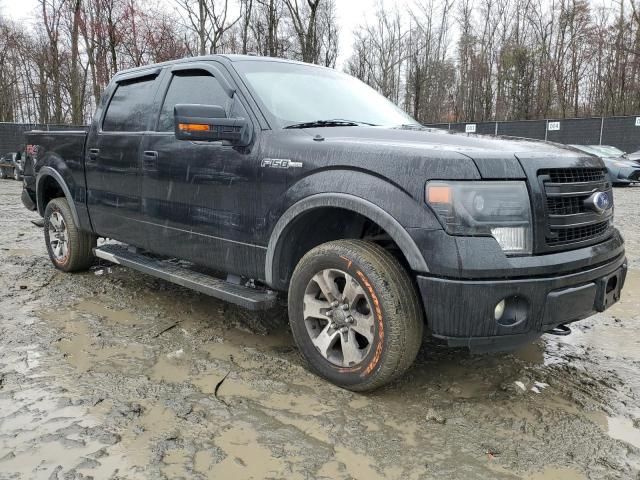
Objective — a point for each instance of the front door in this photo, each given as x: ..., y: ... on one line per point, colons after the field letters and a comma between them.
x: 112, y: 163
x: 199, y: 197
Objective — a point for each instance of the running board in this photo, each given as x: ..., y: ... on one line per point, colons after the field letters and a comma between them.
x: 246, y: 297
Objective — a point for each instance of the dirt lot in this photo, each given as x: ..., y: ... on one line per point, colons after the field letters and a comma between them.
x: 111, y: 374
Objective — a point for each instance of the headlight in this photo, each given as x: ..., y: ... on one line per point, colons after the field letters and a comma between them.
x: 624, y: 164
x: 497, y: 209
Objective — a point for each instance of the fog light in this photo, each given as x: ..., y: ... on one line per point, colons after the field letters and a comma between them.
x: 513, y: 239
x: 499, y: 311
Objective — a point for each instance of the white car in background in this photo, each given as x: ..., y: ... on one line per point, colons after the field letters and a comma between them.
x: 622, y: 170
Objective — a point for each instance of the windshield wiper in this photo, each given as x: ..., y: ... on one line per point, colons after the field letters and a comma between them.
x: 329, y: 123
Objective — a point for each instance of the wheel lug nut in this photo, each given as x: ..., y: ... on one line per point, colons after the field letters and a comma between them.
x: 350, y: 319
x: 334, y: 304
x: 344, y: 329
x: 329, y: 313
x: 345, y: 306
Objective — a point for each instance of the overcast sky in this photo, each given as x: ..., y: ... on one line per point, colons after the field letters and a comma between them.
x: 350, y: 14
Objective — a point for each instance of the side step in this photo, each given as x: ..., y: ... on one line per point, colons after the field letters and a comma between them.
x: 246, y: 297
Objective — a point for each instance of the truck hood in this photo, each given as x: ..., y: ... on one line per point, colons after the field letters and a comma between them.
x: 494, y: 157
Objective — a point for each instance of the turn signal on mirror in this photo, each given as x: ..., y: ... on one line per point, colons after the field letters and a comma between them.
x: 193, y: 127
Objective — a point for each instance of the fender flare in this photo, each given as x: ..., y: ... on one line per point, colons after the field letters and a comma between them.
x: 348, y: 202
x: 50, y: 172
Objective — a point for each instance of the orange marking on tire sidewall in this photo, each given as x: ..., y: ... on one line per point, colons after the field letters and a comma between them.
x: 349, y: 262
x: 378, y: 313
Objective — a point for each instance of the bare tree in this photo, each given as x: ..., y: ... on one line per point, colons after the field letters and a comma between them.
x: 52, y: 15
x: 209, y: 19
x: 304, y: 17
x: 77, y: 83
x: 379, y: 53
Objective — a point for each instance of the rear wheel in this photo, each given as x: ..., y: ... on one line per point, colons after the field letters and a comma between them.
x: 70, y: 249
x: 354, y: 314
x: 3, y: 174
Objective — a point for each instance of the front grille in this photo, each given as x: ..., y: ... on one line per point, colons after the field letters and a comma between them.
x: 577, y: 234
x: 566, y: 205
x: 569, y: 222
x: 574, y: 175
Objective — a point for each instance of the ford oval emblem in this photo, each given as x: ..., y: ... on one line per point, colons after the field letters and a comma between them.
x: 599, y: 201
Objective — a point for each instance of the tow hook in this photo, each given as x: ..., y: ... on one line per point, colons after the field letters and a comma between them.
x: 560, y: 330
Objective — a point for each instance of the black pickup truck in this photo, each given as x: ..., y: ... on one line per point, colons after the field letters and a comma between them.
x: 298, y: 180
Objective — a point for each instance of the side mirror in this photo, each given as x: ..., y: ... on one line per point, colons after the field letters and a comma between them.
x: 209, y: 123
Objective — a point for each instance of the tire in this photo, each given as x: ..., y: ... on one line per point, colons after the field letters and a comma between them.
x: 70, y: 249
x: 16, y: 175
x: 379, y: 331
x: 3, y: 175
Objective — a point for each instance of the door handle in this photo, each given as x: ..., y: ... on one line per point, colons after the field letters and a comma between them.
x: 150, y: 160
x: 93, y: 153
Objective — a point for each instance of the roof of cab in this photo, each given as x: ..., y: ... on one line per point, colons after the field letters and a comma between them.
x: 227, y: 57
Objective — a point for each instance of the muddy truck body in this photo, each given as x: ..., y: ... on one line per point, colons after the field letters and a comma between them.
x: 299, y: 182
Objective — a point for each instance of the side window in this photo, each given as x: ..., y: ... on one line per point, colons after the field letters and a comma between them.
x: 130, y: 106
x: 195, y: 87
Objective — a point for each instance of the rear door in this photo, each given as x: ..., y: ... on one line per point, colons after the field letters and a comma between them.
x: 113, y: 159
x: 200, y: 197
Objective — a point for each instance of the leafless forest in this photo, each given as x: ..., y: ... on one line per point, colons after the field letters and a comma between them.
x: 442, y: 60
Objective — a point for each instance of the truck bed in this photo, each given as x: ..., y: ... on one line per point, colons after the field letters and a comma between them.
x: 66, y: 145
x: 61, y: 150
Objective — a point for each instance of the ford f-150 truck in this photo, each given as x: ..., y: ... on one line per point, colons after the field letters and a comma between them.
x: 298, y: 181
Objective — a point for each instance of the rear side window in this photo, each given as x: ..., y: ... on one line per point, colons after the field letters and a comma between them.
x: 130, y: 106
x: 191, y: 87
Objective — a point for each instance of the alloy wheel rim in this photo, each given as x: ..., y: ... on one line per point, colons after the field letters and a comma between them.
x: 338, y: 317
x: 58, y: 237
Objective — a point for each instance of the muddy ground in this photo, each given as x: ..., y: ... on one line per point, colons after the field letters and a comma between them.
x: 111, y: 374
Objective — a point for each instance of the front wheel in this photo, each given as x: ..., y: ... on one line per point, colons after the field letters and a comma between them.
x: 70, y: 249
x: 16, y: 175
x: 354, y: 314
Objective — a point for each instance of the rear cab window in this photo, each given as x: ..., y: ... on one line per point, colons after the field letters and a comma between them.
x: 131, y: 106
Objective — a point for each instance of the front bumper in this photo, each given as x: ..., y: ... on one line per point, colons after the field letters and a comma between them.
x: 462, y: 312
x: 626, y: 175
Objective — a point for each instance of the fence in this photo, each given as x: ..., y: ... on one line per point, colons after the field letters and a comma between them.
x: 12, y: 134
x: 620, y: 132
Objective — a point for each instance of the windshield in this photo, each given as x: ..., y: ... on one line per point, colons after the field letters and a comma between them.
x: 588, y: 149
x: 297, y: 93
x: 600, y: 150
x: 613, y: 151
x: 603, y: 151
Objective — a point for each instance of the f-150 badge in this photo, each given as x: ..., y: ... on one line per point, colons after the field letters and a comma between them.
x: 280, y: 163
